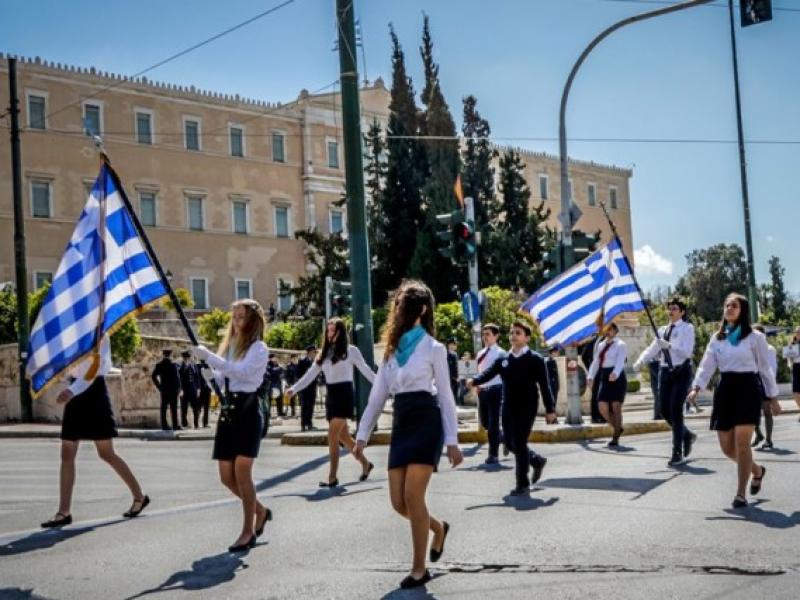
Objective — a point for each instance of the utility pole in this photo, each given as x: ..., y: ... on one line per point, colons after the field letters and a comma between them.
x: 472, y: 268
x: 354, y: 185
x: 19, y: 245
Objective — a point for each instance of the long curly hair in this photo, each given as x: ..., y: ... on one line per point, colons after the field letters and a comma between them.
x: 339, y: 346
x: 253, y: 330
x: 411, y: 301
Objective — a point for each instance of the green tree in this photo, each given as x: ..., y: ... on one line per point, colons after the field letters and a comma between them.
x: 184, y: 299
x: 327, y: 254
x: 712, y: 274
x: 778, y: 297
x: 211, y: 325
x: 378, y: 213
x: 125, y: 341
x: 8, y: 316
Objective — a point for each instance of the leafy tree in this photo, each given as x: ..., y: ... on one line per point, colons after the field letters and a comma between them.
x: 8, y: 317
x: 125, y: 341
x: 212, y: 325
x: 713, y: 273
x: 327, y: 255
x: 778, y: 297
x: 378, y: 224
x: 184, y: 299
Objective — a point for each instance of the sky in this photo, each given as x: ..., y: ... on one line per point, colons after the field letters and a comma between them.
x: 646, y: 86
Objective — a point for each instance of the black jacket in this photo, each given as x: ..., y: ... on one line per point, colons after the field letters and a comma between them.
x: 552, y: 375
x: 452, y: 365
x: 188, y: 376
x: 521, y: 376
x: 165, y: 377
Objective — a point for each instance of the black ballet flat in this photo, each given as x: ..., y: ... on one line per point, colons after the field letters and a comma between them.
x: 251, y: 543
x: 434, y: 554
x: 364, y: 476
x: 410, y: 582
x: 739, y: 502
x: 64, y: 520
x: 267, y: 517
x: 755, y: 482
x: 135, y: 513
x: 329, y: 484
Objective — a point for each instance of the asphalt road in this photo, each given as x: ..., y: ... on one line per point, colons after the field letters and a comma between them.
x: 600, y: 524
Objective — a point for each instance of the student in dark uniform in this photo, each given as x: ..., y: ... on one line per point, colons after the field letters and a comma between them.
x: 452, y: 365
x: 524, y: 376
x: 741, y: 355
x: 308, y: 395
x: 204, y: 394
x: 88, y: 416
x: 275, y: 392
x: 654, y: 366
x: 490, y: 393
x: 587, y: 352
x: 189, y: 389
x: 166, y: 378
x: 290, y: 377
x: 609, y: 367
x: 414, y: 371
x: 239, y: 371
x: 552, y: 371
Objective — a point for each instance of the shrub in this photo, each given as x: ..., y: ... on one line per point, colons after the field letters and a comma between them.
x: 212, y: 325
x: 184, y: 299
x: 125, y: 341
x: 634, y: 385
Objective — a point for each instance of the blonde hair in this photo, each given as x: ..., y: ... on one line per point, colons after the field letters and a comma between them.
x: 252, y: 331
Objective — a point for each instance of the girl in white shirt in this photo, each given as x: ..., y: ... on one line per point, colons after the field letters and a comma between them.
x: 414, y: 371
x: 741, y: 356
x: 336, y: 361
x: 239, y: 370
x: 792, y: 354
x: 609, y: 365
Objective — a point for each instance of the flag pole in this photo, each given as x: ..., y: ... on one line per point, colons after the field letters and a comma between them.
x: 667, y: 357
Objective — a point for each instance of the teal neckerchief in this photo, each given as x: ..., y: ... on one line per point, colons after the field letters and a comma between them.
x: 408, y: 342
x: 734, y: 335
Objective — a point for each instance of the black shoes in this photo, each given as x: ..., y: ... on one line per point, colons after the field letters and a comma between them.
x: 537, y: 467
x: 677, y: 459
x: 755, y: 482
x: 758, y: 440
x: 251, y: 543
x: 410, y: 582
x: 614, y: 443
x: 687, y: 444
x: 520, y: 491
x: 260, y: 528
x: 739, y: 502
x: 491, y: 460
x: 135, y: 513
x: 767, y: 445
x: 434, y: 554
x: 60, y: 520
x: 329, y: 484
x: 365, y: 475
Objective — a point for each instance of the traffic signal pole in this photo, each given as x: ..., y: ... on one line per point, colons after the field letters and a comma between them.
x: 568, y: 254
x: 472, y: 269
x: 354, y: 187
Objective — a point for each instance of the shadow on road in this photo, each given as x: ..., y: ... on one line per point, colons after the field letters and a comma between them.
x: 636, y: 485
x: 19, y: 594
x: 419, y: 593
x: 47, y: 538
x: 291, y: 473
x: 754, y: 514
x: 205, y: 573
x: 327, y: 493
x: 493, y: 468
x: 472, y: 451
x: 777, y: 451
x: 521, y: 503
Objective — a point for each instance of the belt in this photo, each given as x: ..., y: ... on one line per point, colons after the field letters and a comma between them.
x: 485, y: 388
x: 674, y: 366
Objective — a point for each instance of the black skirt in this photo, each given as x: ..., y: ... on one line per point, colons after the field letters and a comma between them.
x: 612, y: 391
x: 737, y: 401
x: 339, y: 401
x: 88, y: 416
x: 239, y: 427
x: 417, y: 431
x: 796, y: 378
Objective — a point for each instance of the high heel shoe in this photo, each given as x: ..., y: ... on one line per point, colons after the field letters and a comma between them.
x: 365, y: 475
x: 242, y: 547
x: 755, y: 482
x: 329, y: 484
x: 434, y: 554
x: 267, y: 517
x: 135, y: 513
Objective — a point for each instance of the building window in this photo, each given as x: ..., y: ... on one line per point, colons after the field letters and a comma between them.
x: 194, y: 205
x: 239, y: 210
x: 147, y: 208
x: 41, y: 278
x: 612, y: 197
x: 37, y: 110
x: 591, y: 194
x: 236, y: 140
x: 285, y: 298
x: 199, y: 286
x: 282, y: 221
x: 93, y: 119
x: 337, y: 221
x: 144, y: 127
x: 333, y: 154
x: 244, y: 289
x: 41, y: 200
x: 278, y: 147
x: 543, y: 189
x: 191, y: 134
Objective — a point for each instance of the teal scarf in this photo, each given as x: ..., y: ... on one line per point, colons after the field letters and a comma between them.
x: 408, y: 342
x: 734, y: 335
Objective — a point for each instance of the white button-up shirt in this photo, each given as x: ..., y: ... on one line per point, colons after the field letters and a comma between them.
x: 78, y: 372
x: 340, y: 372
x: 682, y: 340
x: 485, y: 359
x: 750, y: 355
x: 614, y: 358
x: 244, y: 374
x: 425, y: 371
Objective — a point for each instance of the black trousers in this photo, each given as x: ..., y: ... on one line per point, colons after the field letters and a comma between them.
x: 278, y: 400
x: 489, y: 401
x: 654, y: 367
x: 673, y: 386
x: 204, y: 401
x: 517, y: 425
x: 307, y: 398
x: 169, y: 400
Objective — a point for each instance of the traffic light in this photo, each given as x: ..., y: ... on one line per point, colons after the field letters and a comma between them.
x: 551, y: 264
x: 341, y: 298
x: 445, y: 232
x: 584, y: 244
x: 755, y: 11
x: 464, y: 237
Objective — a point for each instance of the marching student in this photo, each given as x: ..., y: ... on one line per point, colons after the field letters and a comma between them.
x: 239, y: 370
x: 609, y: 365
x: 792, y: 354
x: 522, y: 372
x: 490, y: 394
x: 742, y: 357
x: 414, y: 371
x: 308, y: 395
x: 88, y: 416
x: 167, y: 380
x: 189, y: 389
x: 336, y: 362
x: 765, y: 405
x: 677, y: 340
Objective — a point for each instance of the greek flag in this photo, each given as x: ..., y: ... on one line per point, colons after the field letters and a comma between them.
x: 105, y: 276
x: 572, y: 307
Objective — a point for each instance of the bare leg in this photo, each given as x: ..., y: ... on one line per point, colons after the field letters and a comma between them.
x: 105, y: 450
x: 796, y: 399
x: 66, y: 476
x: 349, y: 443
x: 416, y: 485
x: 334, y: 428
x: 227, y: 475
x: 744, y: 457
x: 243, y: 469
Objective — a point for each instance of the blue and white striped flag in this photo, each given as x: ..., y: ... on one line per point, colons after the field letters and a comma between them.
x: 570, y: 308
x: 105, y: 276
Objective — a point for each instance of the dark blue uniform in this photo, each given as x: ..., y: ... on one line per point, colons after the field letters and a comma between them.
x: 166, y: 379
